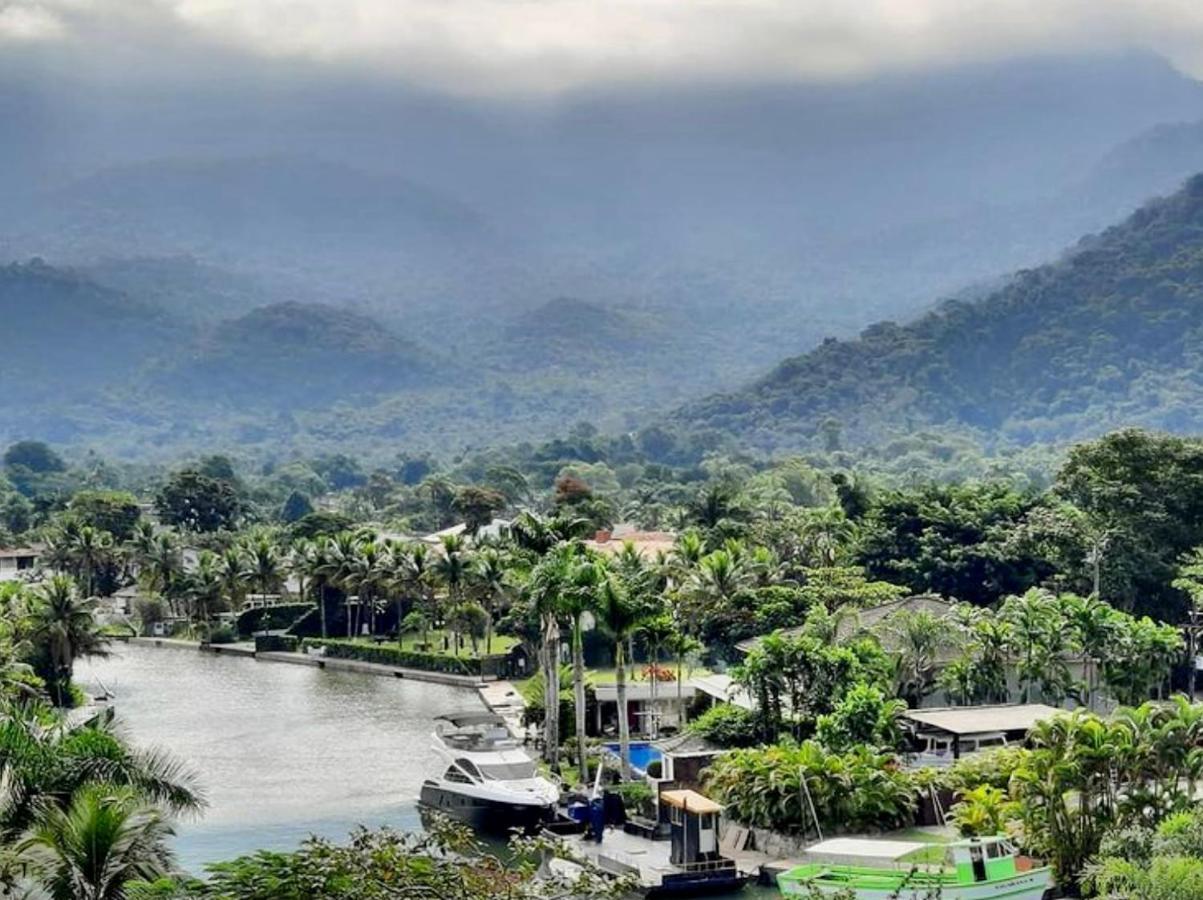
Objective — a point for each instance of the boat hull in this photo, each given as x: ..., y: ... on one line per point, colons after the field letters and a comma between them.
x: 1030, y: 885
x: 487, y: 815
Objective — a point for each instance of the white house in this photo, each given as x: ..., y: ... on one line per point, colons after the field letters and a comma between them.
x: 18, y: 563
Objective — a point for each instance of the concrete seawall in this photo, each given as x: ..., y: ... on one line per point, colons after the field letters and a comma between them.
x: 320, y: 662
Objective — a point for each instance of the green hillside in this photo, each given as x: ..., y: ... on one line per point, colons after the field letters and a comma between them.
x: 1109, y: 335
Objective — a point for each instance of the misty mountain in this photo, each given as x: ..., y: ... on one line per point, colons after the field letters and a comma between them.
x: 816, y: 208
x: 1109, y: 335
x: 66, y: 338
x: 295, y: 355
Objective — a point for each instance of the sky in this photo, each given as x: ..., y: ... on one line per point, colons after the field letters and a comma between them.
x: 546, y: 47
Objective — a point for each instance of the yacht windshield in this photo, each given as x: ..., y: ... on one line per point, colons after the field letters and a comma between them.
x: 517, y: 771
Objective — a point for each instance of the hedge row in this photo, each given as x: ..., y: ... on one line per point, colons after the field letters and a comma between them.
x: 271, y: 618
x: 392, y: 655
x: 276, y: 643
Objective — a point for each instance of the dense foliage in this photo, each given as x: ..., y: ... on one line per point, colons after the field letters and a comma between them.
x: 1106, y: 336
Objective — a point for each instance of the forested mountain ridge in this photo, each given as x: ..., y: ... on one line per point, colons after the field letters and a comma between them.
x: 1109, y: 335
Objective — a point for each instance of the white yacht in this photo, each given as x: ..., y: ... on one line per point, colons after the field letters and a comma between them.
x: 482, y: 775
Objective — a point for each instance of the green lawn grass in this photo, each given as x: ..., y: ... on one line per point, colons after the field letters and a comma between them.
x: 502, y: 644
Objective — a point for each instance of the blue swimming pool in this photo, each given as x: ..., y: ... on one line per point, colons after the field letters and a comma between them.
x: 643, y: 754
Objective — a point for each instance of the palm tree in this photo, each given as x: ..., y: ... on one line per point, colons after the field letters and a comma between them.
x: 579, y: 595
x: 205, y: 589
x: 63, y: 626
x: 1092, y: 622
x: 90, y: 550
x: 92, y: 849
x: 43, y: 766
x: 918, y: 638
x: 657, y: 632
x: 415, y: 575
x: 545, y: 589
x: 338, y: 567
x: 490, y: 572
x: 162, y: 567
x: 367, y: 574
x: 264, y: 565
x: 825, y: 533
x: 452, y: 569
x: 620, y: 618
x: 305, y: 560
x: 232, y: 570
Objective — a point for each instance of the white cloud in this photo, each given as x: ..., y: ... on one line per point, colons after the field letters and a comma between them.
x: 28, y: 22
x: 487, y: 46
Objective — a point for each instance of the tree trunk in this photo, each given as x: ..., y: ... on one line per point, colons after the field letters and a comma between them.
x: 489, y: 630
x: 578, y: 697
x: 551, y: 693
x: 654, y: 728
x: 624, y: 731
x: 681, y: 692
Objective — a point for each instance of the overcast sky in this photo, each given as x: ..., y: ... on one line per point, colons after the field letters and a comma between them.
x: 548, y: 46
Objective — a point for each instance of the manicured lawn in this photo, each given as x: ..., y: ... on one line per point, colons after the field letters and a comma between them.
x: 609, y: 676
x: 502, y: 644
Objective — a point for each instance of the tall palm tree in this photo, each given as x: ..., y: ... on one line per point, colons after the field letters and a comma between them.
x: 205, y: 589
x: 490, y: 573
x: 415, y: 576
x: 103, y: 840
x: 620, y: 618
x: 90, y: 550
x: 162, y: 567
x: 232, y: 570
x: 452, y: 569
x: 63, y: 625
x: 918, y: 638
x: 657, y: 632
x: 1092, y: 622
x: 545, y: 589
x: 578, y: 597
x: 367, y: 574
x: 338, y: 567
x: 264, y: 564
x: 825, y: 533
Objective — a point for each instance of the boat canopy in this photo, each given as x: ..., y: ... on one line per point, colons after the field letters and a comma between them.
x: 839, y: 850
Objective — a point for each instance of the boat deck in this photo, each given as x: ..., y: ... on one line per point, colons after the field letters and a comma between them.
x: 629, y: 854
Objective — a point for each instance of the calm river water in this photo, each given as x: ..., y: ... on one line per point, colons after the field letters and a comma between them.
x: 281, y: 751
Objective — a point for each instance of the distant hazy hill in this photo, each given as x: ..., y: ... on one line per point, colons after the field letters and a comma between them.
x: 1111, y: 334
x: 296, y: 354
x: 576, y: 335
x: 253, y: 208
x: 63, y: 337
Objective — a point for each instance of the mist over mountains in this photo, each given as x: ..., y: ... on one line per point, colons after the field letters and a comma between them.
x: 257, y: 259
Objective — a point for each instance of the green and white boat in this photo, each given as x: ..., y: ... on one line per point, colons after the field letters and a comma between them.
x: 984, y: 868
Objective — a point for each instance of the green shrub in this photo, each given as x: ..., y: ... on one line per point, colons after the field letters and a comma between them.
x: 636, y: 796
x: 727, y: 725
x: 392, y: 655
x: 271, y: 618
x: 863, y: 716
x: 861, y: 790
x: 222, y: 634
x: 990, y: 767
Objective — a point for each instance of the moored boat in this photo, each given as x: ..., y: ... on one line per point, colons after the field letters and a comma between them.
x: 984, y: 868
x: 482, y: 776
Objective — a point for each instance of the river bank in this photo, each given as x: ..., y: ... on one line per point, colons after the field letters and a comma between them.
x: 319, y: 662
